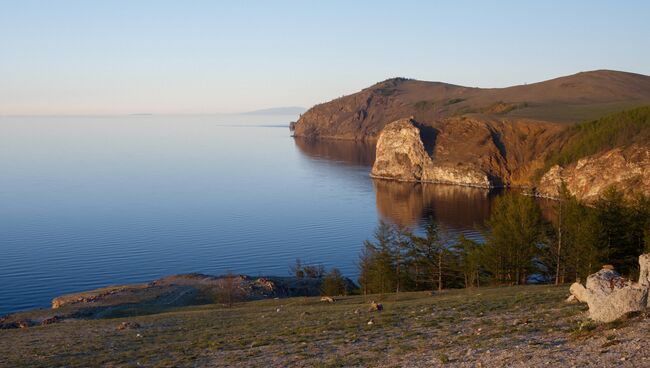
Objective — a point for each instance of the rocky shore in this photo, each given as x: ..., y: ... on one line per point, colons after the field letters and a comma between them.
x: 163, y: 294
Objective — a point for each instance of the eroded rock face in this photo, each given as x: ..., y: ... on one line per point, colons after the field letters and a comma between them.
x: 401, y: 156
x: 628, y: 169
x: 400, y: 152
x: 611, y: 296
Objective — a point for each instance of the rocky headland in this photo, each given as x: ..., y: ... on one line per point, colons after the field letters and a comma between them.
x: 500, y: 137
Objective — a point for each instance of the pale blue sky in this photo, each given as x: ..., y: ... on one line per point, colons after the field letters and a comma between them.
x: 130, y: 56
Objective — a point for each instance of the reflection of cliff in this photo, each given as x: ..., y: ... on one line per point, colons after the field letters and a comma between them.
x: 348, y: 152
x: 408, y: 203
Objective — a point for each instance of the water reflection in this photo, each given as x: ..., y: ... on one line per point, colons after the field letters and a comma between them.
x: 410, y: 204
x: 346, y: 152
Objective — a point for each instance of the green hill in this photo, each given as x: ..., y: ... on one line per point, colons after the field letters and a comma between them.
x: 621, y: 129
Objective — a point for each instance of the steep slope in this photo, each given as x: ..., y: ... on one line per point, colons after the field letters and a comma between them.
x: 465, y: 151
x: 611, y: 151
x: 570, y: 99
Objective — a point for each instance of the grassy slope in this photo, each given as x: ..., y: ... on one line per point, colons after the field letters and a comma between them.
x: 620, y: 129
x: 306, y: 332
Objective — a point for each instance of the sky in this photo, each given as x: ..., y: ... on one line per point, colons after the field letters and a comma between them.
x: 81, y: 57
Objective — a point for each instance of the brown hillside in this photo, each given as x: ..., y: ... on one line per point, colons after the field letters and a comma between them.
x: 570, y: 99
x: 505, y: 133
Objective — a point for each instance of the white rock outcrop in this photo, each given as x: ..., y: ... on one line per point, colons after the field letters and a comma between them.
x: 401, y: 156
x: 611, y: 296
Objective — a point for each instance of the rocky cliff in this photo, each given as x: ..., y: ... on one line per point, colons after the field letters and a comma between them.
x: 628, y: 169
x: 465, y: 152
x: 492, y: 137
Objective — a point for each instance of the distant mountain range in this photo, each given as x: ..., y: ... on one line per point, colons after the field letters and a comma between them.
x: 286, y: 110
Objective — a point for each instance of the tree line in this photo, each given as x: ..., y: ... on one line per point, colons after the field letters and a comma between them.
x: 520, y: 244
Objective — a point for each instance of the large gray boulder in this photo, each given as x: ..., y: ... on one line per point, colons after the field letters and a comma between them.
x: 611, y: 296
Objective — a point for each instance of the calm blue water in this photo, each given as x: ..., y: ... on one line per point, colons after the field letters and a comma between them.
x: 89, y: 202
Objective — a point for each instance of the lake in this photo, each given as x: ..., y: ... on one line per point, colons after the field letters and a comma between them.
x: 94, y: 201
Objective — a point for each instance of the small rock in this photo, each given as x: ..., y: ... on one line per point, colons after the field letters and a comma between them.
x: 49, y: 321
x: 128, y: 326
x: 25, y: 323
x: 376, y: 307
x: 277, y: 310
x: 327, y: 299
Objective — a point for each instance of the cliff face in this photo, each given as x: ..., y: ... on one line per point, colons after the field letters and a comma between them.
x: 493, y: 137
x: 464, y: 152
x: 628, y: 169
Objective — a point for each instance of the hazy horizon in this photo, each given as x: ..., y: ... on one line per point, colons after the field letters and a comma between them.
x: 162, y: 57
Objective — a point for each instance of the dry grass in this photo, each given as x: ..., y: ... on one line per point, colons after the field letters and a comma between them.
x: 304, y: 332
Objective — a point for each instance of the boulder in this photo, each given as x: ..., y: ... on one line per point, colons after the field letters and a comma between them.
x: 611, y: 296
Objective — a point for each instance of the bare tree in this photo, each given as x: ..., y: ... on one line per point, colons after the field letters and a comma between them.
x: 229, y: 290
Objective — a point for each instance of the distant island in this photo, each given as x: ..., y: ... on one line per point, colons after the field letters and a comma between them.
x: 287, y: 110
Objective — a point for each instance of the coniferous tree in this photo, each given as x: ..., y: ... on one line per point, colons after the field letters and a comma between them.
x: 468, y: 253
x: 614, y: 217
x: 516, y: 231
x: 379, y: 276
x: 432, y: 254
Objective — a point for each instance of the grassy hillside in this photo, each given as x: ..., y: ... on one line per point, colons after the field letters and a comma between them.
x: 306, y: 332
x: 620, y: 129
x: 569, y: 99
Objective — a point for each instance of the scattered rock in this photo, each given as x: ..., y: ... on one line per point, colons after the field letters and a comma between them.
x: 25, y: 323
x: 128, y: 326
x: 376, y: 307
x: 327, y: 299
x: 51, y: 320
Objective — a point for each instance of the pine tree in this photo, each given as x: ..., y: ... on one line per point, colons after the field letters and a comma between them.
x: 516, y: 233
x: 377, y: 265
x: 468, y: 253
x: 432, y: 254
